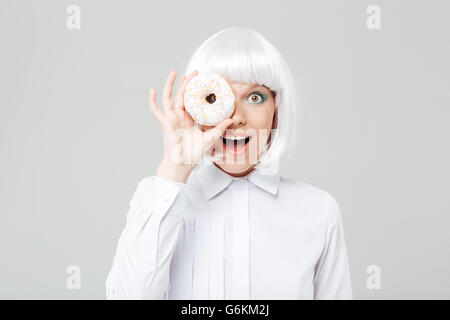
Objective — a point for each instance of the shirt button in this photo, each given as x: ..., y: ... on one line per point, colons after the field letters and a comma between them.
x: 165, y: 197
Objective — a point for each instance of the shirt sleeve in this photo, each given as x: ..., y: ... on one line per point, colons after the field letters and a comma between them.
x: 332, y: 277
x: 145, y: 248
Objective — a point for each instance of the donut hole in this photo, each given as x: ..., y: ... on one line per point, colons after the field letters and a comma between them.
x: 211, y: 98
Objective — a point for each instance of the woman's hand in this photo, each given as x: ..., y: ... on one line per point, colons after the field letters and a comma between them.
x: 184, y: 143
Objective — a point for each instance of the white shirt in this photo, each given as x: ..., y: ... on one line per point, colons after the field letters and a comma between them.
x: 219, y: 237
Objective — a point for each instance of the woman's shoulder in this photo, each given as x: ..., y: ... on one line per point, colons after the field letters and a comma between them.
x: 305, y: 191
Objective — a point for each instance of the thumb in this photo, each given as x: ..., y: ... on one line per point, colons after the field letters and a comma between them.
x: 215, y: 133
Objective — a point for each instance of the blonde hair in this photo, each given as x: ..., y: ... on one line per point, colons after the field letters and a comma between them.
x: 244, y: 55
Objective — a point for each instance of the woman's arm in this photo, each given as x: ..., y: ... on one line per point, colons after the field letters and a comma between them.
x: 332, y: 278
x: 145, y: 248
x: 144, y: 252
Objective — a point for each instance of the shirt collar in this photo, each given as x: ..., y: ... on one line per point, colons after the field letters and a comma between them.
x: 213, y: 180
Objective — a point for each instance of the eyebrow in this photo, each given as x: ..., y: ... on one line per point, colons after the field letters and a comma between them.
x: 257, y: 86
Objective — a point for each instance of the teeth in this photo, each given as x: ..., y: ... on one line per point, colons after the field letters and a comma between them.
x: 235, y: 138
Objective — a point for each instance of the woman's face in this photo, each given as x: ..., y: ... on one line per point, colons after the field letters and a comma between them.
x: 243, y: 141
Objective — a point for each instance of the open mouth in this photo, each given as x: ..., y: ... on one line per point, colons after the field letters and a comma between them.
x: 235, y: 145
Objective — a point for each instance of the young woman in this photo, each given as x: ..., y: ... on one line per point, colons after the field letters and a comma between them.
x: 220, y: 225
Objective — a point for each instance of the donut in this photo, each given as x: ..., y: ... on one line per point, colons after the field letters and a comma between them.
x: 209, y: 99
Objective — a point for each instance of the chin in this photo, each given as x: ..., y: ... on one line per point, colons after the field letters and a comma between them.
x: 236, y: 169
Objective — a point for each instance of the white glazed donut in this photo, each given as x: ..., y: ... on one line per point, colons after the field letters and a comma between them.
x: 209, y: 99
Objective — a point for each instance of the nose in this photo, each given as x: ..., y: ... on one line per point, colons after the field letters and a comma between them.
x: 239, y: 117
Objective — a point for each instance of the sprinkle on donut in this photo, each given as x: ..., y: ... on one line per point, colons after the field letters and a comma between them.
x: 209, y: 99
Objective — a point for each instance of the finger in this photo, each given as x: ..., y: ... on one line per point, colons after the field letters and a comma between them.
x: 215, y: 133
x: 182, y: 78
x: 167, y: 92
x: 179, y: 99
x: 157, y: 113
x: 177, y: 95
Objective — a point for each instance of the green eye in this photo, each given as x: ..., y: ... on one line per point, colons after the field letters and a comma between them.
x: 257, y: 97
